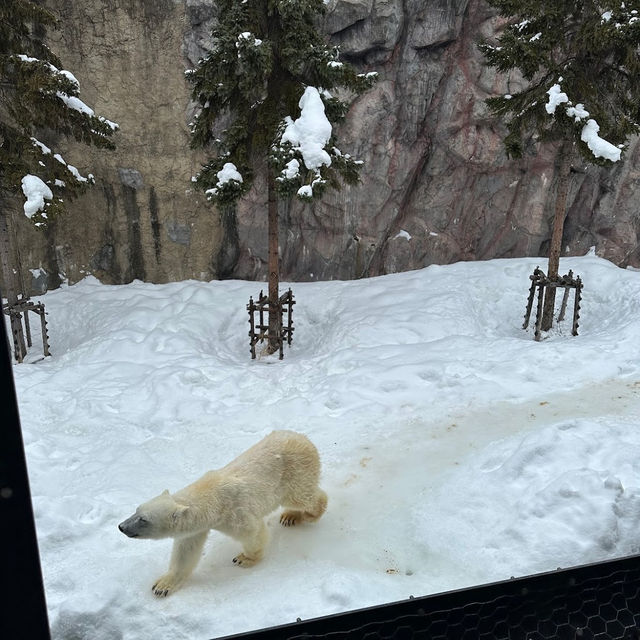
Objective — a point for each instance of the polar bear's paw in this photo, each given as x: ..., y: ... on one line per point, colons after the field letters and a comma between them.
x: 243, y: 560
x: 291, y: 518
x: 165, y: 585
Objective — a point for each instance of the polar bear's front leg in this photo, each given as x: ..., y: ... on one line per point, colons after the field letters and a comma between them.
x: 254, y: 541
x: 184, y: 558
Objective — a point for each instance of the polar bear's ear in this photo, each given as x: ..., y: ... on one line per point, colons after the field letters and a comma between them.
x: 165, y: 492
x: 180, y: 510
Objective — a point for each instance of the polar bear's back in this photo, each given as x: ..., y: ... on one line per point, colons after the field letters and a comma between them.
x: 284, y: 464
x: 281, y: 453
x: 301, y: 464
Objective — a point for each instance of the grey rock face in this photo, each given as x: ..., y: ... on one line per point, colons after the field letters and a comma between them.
x: 102, y: 260
x: 131, y: 178
x: 179, y: 233
x: 436, y: 184
x: 39, y: 282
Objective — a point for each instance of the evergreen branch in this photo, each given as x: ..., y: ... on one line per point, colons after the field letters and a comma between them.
x: 265, y: 54
x: 35, y: 95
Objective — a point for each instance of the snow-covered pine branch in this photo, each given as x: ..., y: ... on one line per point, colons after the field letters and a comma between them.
x: 266, y: 89
x: 265, y: 104
x: 581, y: 67
x: 303, y: 155
x: 598, y: 146
x: 594, y: 49
x: 38, y: 96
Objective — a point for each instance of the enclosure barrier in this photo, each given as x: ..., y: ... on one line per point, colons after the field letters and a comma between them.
x: 259, y: 322
x: 23, y: 612
x: 593, y: 602
x: 18, y: 313
x: 542, y: 283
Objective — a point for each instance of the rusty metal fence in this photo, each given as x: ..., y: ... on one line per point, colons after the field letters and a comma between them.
x: 259, y: 315
x: 541, y: 283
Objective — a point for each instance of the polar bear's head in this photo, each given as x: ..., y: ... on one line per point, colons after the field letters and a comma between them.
x: 158, y: 518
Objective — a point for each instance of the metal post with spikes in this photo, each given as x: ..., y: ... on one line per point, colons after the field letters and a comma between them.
x: 576, y: 307
x: 532, y: 292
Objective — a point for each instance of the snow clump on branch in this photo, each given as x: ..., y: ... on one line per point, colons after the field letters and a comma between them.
x: 228, y: 176
x: 311, y: 131
x: 598, y: 146
x: 308, y: 135
x: 36, y: 192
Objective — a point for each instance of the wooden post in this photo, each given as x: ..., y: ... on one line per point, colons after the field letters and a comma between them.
x: 565, y: 297
x: 27, y: 326
x: 563, y: 305
x: 274, y: 332
x: 536, y: 334
x: 252, y: 329
x: 564, y: 160
x: 532, y: 293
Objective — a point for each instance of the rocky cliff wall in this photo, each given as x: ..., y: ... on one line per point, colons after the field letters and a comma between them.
x: 141, y: 220
x: 436, y: 185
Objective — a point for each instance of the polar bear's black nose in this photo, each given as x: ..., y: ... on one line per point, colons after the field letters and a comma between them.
x: 120, y: 527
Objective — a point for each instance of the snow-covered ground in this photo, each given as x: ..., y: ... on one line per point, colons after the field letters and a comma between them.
x: 455, y: 449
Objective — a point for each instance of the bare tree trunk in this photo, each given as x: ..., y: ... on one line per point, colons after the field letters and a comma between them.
x: 274, y: 268
x: 10, y: 289
x: 229, y: 251
x: 556, y: 235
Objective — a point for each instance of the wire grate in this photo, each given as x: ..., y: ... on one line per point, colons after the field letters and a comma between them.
x: 593, y: 602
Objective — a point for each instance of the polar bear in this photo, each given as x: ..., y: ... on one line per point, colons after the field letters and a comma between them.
x: 281, y: 469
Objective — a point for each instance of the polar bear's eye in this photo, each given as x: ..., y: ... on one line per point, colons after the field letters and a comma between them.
x: 143, y: 520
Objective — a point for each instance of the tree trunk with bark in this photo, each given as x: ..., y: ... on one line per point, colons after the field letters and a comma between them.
x: 11, y: 288
x: 229, y: 251
x: 555, y: 247
x: 275, y: 319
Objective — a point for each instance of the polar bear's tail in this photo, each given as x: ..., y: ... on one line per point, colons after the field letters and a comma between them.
x: 320, y: 506
x: 311, y: 511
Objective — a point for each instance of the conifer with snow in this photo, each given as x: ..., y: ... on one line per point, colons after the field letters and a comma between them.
x: 265, y: 101
x: 39, y: 101
x: 38, y: 98
x: 580, y: 63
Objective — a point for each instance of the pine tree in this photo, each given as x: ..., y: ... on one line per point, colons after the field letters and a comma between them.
x: 579, y: 60
x: 269, y: 64
x: 39, y: 100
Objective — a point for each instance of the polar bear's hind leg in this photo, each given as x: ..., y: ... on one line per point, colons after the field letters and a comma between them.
x: 306, y: 512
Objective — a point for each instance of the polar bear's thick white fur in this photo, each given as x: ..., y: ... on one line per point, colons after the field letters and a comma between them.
x: 282, y: 469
